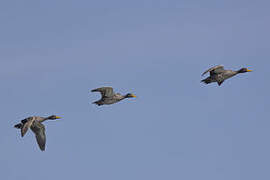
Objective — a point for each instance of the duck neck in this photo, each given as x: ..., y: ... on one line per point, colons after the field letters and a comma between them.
x: 239, y: 71
x: 233, y: 73
x: 45, y: 119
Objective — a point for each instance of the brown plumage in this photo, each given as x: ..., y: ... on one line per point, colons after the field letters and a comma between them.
x: 35, y: 124
x: 109, y: 97
x: 218, y: 74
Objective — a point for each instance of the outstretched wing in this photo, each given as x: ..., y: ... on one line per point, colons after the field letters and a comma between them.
x: 105, y: 91
x: 40, y: 136
x: 215, y: 69
x: 26, y: 125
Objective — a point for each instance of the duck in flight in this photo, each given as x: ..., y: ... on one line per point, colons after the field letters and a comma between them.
x: 218, y: 74
x: 109, y: 97
x: 35, y: 124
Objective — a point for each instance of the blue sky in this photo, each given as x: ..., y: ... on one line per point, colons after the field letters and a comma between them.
x: 54, y: 52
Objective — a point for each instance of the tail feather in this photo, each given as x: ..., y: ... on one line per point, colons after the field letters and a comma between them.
x: 18, y: 126
x: 207, y: 80
x: 94, y: 90
x: 99, y: 103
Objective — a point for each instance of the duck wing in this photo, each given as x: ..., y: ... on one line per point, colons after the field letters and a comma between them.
x: 105, y: 91
x: 214, y: 70
x: 26, y: 124
x: 40, y: 135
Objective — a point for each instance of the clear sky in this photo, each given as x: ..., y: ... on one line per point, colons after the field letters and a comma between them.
x: 52, y: 53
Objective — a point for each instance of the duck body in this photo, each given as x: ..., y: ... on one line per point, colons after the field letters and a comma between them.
x: 218, y: 74
x: 110, y: 100
x: 109, y: 97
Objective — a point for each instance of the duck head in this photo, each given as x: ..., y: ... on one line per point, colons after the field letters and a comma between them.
x: 243, y: 70
x: 129, y: 95
x: 53, y: 117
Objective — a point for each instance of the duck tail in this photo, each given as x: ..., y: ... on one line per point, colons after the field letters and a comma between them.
x: 94, y: 90
x: 207, y: 80
x: 18, y: 126
x: 97, y: 103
